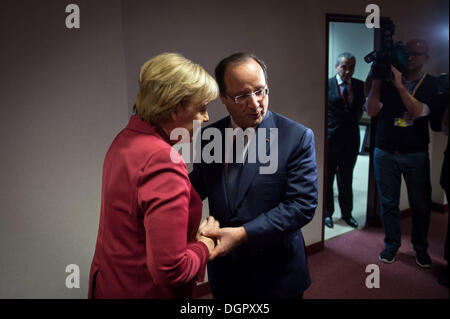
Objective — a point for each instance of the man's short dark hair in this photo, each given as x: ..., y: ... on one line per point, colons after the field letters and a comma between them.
x: 345, y: 55
x: 219, y: 72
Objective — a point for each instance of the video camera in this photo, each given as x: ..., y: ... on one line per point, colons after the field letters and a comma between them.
x: 390, y: 54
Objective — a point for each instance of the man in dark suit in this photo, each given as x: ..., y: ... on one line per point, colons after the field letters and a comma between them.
x: 260, y: 248
x: 345, y: 108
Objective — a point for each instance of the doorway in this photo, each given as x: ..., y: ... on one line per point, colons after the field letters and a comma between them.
x: 349, y: 34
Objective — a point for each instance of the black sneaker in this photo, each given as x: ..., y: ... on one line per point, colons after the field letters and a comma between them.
x: 423, y: 259
x: 388, y: 255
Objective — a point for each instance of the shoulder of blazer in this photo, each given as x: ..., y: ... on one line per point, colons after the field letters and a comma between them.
x: 358, y: 91
x: 285, y: 123
x: 332, y: 82
x: 357, y: 82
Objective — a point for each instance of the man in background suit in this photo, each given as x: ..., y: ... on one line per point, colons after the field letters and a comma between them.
x: 260, y: 247
x: 345, y: 108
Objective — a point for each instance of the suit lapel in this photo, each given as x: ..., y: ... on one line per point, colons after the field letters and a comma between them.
x: 216, y: 172
x: 358, y: 98
x: 353, y: 92
x: 337, y: 92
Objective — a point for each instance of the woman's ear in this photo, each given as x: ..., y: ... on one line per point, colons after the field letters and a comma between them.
x: 173, y: 116
x: 176, y: 111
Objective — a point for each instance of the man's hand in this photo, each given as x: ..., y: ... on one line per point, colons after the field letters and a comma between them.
x: 396, y: 78
x: 228, y: 238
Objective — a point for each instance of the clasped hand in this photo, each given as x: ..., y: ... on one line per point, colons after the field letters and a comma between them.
x: 220, y: 241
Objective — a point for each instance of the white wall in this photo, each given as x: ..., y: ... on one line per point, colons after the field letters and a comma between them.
x: 66, y: 93
x: 63, y: 99
x: 355, y: 38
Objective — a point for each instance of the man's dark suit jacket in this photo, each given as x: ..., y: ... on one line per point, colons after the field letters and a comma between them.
x: 272, y: 208
x: 342, y: 124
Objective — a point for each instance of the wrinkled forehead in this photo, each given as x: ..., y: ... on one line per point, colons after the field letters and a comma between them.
x: 416, y: 46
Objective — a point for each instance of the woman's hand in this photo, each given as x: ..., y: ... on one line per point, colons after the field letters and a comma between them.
x: 208, y: 225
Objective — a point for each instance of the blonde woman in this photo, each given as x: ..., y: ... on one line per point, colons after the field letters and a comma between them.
x: 149, y: 243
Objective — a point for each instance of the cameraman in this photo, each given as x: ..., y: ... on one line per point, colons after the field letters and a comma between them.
x: 402, y: 106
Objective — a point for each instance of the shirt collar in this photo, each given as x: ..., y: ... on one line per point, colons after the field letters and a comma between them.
x: 233, y: 123
x: 340, y: 81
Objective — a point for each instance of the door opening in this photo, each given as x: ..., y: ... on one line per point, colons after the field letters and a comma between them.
x: 348, y: 38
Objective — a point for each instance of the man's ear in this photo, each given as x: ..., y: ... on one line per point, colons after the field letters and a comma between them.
x: 222, y: 98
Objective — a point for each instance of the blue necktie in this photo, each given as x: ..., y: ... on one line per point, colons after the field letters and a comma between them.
x: 232, y: 177
x: 345, y: 92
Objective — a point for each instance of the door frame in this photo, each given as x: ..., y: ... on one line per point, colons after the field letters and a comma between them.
x: 373, y: 206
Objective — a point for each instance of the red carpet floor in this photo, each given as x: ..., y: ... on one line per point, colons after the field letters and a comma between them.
x: 339, y: 271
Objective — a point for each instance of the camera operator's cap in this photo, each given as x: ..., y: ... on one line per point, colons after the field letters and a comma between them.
x: 417, y: 46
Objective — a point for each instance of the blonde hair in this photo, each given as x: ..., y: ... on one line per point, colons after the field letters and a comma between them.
x: 169, y: 79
